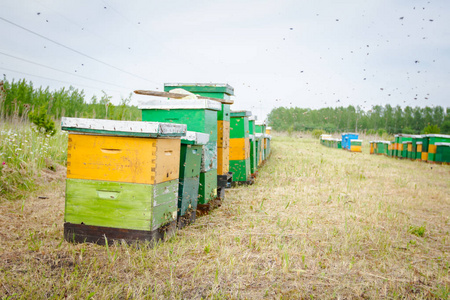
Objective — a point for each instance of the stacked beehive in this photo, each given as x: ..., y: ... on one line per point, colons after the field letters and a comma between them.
x: 122, y: 179
x: 217, y: 91
x: 240, y: 147
x: 199, y: 115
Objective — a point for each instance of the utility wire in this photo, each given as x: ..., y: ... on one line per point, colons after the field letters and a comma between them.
x: 76, y: 51
x: 72, y: 84
x: 62, y: 71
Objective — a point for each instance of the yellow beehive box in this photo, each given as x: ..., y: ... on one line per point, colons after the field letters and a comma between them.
x: 123, y: 159
x: 223, y: 160
x: 123, y: 151
x: 239, y: 149
x: 223, y: 134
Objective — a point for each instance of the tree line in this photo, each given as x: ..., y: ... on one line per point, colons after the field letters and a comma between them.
x: 393, y: 120
x: 19, y: 98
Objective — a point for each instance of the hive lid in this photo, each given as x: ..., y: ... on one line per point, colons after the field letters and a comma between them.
x: 356, y: 140
x: 252, y: 118
x: 419, y: 143
x: 268, y: 127
x: 267, y: 136
x: 259, y: 135
x: 442, y: 144
x: 203, y: 87
x: 260, y: 123
x: 241, y: 113
x: 251, y: 136
x: 439, y: 135
x: 181, y: 104
x: 195, y: 138
x: 123, y: 128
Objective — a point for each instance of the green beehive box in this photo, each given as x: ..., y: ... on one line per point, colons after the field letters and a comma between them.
x: 416, y: 141
x: 253, y: 155
x: 396, y: 145
x: 212, y: 90
x: 198, y: 114
x: 190, y: 165
x: 241, y: 170
x: 409, y: 149
x: 432, y: 140
x: 419, y: 149
x: 208, y: 187
x: 121, y: 205
x: 118, y: 210
x: 240, y: 146
x: 424, y: 156
x: 404, y: 152
x: 442, y: 152
x: 218, y: 91
x: 386, y: 148
x: 209, y: 157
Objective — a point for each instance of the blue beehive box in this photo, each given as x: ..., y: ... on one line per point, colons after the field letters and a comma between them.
x: 346, y: 139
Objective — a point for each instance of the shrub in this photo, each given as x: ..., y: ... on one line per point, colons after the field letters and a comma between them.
x: 43, y: 121
x: 408, y: 130
x: 430, y: 129
x: 371, y: 132
x: 381, y: 131
x: 316, y: 133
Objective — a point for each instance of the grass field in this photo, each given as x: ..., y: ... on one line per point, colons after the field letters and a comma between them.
x: 319, y: 223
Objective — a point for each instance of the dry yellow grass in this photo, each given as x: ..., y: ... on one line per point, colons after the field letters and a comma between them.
x: 319, y: 222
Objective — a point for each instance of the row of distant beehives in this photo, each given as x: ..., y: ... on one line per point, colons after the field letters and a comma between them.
x: 434, y: 148
x: 141, y: 180
x: 349, y: 141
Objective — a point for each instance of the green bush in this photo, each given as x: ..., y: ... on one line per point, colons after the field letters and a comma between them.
x: 43, y: 121
x: 381, y: 131
x: 430, y: 129
x: 316, y: 133
x: 408, y: 130
x: 371, y: 132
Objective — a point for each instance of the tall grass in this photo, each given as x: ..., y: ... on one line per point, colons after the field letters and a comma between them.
x: 24, y: 153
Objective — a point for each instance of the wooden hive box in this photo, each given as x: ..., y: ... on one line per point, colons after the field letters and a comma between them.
x: 122, y: 179
x: 240, y: 147
x: 189, y: 182
x: 199, y: 115
x: 218, y: 91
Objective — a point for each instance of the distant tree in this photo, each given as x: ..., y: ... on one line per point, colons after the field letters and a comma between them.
x: 445, y: 128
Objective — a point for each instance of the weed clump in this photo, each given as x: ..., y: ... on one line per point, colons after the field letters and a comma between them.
x: 417, y: 230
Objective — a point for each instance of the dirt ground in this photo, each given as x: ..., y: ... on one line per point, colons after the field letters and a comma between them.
x: 318, y: 223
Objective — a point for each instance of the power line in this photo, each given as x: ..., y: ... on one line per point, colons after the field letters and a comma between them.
x: 38, y: 76
x: 76, y: 51
x: 62, y: 71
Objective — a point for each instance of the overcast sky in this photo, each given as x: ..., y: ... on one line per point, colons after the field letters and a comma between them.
x: 309, y: 54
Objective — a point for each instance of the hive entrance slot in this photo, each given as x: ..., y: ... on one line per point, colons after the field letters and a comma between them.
x: 111, y: 151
